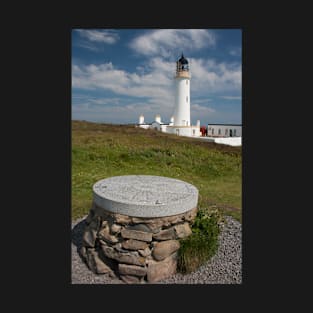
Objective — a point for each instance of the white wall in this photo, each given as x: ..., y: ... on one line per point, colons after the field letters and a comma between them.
x: 231, y: 141
x: 141, y: 119
x: 158, y: 118
x: 155, y: 125
x: 145, y: 126
x: 192, y: 131
x: 225, y: 130
x: 163, y: 127
x: 182, y: 102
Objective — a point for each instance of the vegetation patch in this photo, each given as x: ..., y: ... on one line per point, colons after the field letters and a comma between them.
x: 101, y: 150
x: 202, y: 244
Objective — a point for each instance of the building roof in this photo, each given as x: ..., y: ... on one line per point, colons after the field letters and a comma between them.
x: 183, y: 60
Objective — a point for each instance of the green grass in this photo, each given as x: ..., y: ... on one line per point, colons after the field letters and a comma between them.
x: 100, y: 151
x: 202, y: 244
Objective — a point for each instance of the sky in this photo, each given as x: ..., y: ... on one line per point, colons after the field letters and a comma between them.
x: 118, y: 74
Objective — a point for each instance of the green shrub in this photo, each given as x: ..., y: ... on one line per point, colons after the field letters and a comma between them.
x: 202, y: 244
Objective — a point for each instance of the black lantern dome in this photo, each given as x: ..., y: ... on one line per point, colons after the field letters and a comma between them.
x: 182, y: 60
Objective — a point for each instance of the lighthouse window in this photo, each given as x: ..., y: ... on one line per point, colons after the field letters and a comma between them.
x: 186, y: 98
x: 234, y: 132
x: 219, y: 131
x: 226, y: 132
x: 186, y: 82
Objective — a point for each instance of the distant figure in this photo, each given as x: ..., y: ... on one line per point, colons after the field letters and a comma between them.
x: 203, y: 131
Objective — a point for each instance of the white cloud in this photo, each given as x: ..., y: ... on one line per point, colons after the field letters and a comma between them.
x: 156, y: 83
x: 151, y: 89
x: 210, y: 76
x: 155, y: 80
x: 231, y: 97
x: 156, y: 86
x: 200, y: 108
x: 164, y: 42
x: 202, y: 101
x: 115, y: 109
x: 103, y: 36
x: 89, y: 46
x: 235, y: 51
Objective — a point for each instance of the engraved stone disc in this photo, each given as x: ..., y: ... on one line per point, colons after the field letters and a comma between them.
x: 145, y: 196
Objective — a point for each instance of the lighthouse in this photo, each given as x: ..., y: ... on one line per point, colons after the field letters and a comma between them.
x: 180, y: 123
x: 182, y: 93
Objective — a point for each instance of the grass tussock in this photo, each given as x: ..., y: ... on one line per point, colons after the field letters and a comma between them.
x: 202, y: 244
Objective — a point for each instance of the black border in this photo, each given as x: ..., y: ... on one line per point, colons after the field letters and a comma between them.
x: 51, y: 131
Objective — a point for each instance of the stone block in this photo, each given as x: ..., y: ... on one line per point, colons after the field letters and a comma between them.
x: 191, y: 215
x: 170, y: 220
x: 115, y: 229
x: 104, y: 233
x: 128, y: 279
x: 122, y: 219
x: 129, y: 258
x: 146, y: 252
x: 89, y: 237
x: 154, y: 224
x: 109, y: 252
x: 157, y: 271
x: 83, y: 252
x: 163, y: 249
x: 182, y: 230
x: 136, y: 234
x: 165, y: 234
x: 132, y: 244
x: 95, y: 263
x: 123, y: 257
x: 104, y: 224
x: 126, y: 269
x: 140, y: 227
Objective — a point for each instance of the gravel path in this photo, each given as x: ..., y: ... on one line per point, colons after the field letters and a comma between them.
x: 223, y: 268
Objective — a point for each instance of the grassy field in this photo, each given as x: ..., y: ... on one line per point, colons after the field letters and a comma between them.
x: 101, y: 150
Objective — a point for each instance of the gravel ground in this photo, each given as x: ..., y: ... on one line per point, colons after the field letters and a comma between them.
x: 223, y: 268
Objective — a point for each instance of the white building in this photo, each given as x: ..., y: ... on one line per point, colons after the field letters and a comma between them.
x: 142, y: 123
x: 157, y: 124
x: 224, y: 130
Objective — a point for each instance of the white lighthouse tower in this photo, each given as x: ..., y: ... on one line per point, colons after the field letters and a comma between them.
x: 182, y: 93
x: 181, y: 124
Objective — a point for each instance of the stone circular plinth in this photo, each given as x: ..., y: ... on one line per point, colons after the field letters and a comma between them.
x: 145, y: 196
x: 135, y: 226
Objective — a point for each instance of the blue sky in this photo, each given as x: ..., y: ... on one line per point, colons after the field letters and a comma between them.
x: 118, y: 74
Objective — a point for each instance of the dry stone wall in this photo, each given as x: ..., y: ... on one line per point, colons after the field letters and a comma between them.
x: 137, y: 249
